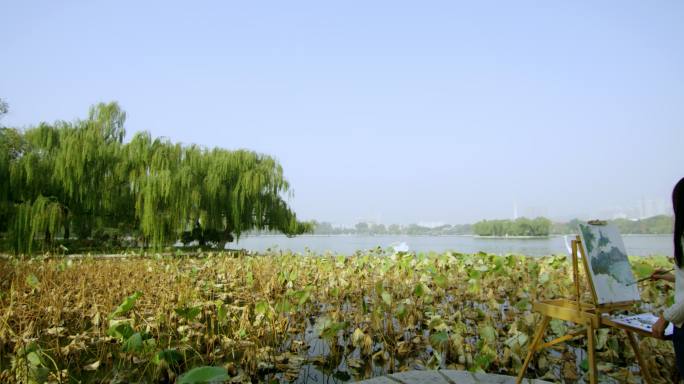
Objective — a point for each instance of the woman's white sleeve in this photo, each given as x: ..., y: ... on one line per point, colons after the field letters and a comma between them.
x: 675, y: 314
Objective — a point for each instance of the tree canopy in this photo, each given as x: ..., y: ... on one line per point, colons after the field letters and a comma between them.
x: 660, y: 224
x: 82, y: 177
x: 520, y: 227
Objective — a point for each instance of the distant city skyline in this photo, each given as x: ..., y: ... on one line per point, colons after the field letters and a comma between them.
x: 638, y: 210
x: 403, y: 112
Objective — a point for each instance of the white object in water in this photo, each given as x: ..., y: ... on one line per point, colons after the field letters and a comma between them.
x: 400, y: 247
x: 567, y: 244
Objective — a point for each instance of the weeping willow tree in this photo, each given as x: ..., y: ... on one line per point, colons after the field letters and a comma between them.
x: 212, y: 195
x: 82, y: 176
x: 85, y: 170
x: 43, y: 216
x: 11, y: 147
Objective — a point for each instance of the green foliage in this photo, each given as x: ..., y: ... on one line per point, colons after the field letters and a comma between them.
x: 168, y: 357
x: 660, y: 224
x: 441, y: 280
x: 29, y: 363
x: 82, y: 176
x: 558, y: 327
x: 32, y: 281
x: 419, y: 290
x: 188, y: 313
x: 126, y: 305
x: 204, y: 375
x: 3, y: 107
x: 329, y: 329
x: 520, y: 227
x: 261, y: 307
x: 439, y: 339
x: 133, y: 343
x: 43, y: 217
x: 121, y: 330
x: 488, y: 334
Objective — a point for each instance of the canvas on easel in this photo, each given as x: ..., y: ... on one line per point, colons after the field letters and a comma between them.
x: 610, y: 272
x: 611, y: 275
x: 613, y: 289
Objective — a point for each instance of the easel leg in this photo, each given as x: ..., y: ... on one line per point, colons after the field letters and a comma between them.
x: 645, y: 374
x: 591, y: 358
x: 538, y: 337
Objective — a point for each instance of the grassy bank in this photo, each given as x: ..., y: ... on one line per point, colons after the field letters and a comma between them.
x: 282, y: 317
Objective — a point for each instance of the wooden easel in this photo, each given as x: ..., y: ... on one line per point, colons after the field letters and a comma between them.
x: 588, y: 314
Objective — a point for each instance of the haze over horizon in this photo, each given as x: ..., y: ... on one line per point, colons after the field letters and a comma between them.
x: 395, y: 112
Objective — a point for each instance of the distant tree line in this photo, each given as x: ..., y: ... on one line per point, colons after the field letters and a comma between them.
x: 655, y: 225
x: 364, y: 228
x: 520, y: 227
x: 80, y: 180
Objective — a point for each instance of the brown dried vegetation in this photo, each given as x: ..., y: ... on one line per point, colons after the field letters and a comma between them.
x: 273, y: 317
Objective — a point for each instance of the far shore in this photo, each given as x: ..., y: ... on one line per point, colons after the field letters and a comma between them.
x: 437, y: 235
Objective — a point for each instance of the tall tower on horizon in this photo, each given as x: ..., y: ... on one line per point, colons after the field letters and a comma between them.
x: 515, y: 210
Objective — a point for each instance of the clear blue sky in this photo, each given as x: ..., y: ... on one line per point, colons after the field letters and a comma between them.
x: 387, y: 110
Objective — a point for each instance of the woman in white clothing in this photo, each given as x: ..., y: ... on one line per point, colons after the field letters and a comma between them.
x: 675, y: 314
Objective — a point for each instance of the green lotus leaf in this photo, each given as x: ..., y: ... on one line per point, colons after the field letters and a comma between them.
x: 518, y: 339
x: 401, y: 311
x: 283, y: 306
x: 558, y: 327
x: 440, y: 280
x: 188, y: 313
x: 121, y: 330
x: 419, y: 290
x: 133, y: 343
x: 439, y: 339
x: 261, y: 307
x: 488, y: 334
x: 126, y: 305
x: 32, y: 281
x: 204, y: 375
x: 169, y: 357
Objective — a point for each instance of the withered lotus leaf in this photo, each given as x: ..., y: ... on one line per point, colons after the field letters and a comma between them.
x: 273, y: 316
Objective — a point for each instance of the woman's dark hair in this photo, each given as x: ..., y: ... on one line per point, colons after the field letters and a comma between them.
x: 678, y: 206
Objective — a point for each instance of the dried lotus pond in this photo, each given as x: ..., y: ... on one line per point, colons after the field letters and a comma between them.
x: 285, y: 317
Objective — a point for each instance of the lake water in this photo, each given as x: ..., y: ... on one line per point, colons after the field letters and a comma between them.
x: 637, y: 245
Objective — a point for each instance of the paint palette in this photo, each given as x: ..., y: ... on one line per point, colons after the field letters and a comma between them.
x: 642, y: 321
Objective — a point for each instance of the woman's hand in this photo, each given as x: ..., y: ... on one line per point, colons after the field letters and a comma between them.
x: 661, y: 274
x: 658, y: 329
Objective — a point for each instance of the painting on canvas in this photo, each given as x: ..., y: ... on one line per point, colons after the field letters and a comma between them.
x: 609, y: 267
